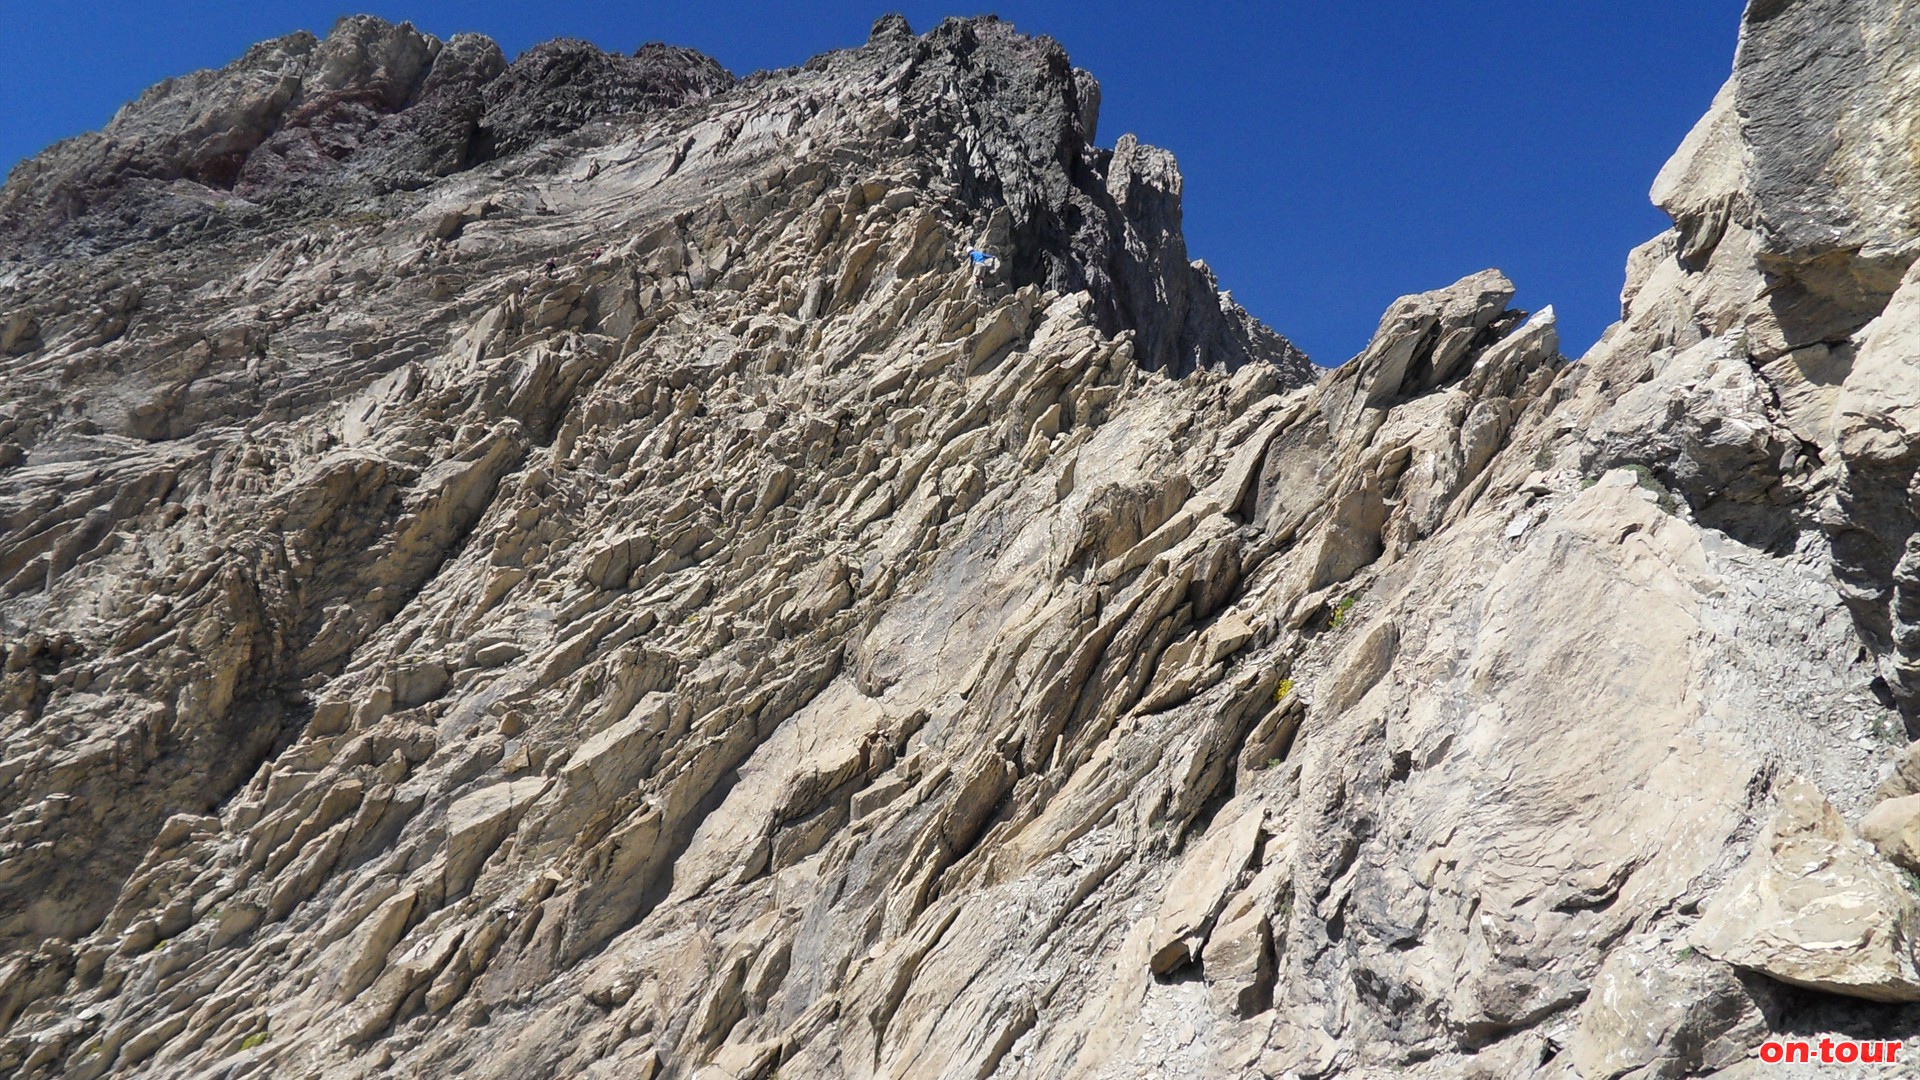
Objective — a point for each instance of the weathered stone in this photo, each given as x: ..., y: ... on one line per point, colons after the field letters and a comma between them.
x: 1200, y: 887
x: 1893, y: 826
x: 1651, y: 1014
x: 1815, y: 907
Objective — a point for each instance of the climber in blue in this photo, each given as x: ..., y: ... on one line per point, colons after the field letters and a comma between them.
x: 984, y: 264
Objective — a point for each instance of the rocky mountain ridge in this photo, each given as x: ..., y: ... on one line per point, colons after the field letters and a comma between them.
x: 558, y: 568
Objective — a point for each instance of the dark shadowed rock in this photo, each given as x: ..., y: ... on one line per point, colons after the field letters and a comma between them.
x: 556, y: 87
x: 307, y: 125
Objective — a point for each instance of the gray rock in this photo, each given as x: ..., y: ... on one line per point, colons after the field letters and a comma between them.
x: 1815, y: 81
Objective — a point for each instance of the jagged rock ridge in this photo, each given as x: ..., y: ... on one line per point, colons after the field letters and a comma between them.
x: 371, y: 109
x: 755, y: 646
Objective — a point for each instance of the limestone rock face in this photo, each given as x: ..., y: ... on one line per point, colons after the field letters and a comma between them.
x: 559, y: 569
x: 1824, y: 89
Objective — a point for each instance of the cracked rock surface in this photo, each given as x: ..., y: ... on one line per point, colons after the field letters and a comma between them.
x: 558, y: 568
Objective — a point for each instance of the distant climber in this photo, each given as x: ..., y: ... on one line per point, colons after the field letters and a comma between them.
x: 984, y: 264
x: 553, y: 265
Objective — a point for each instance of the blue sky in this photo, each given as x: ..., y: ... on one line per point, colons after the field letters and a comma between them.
x: 1337, y: 154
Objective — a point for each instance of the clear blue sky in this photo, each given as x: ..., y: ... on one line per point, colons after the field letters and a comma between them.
x: 1338, y: 153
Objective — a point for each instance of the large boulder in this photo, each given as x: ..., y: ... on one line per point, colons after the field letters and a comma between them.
x: 1815, y: 906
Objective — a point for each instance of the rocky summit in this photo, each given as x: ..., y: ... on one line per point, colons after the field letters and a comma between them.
x: 567, y: 567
